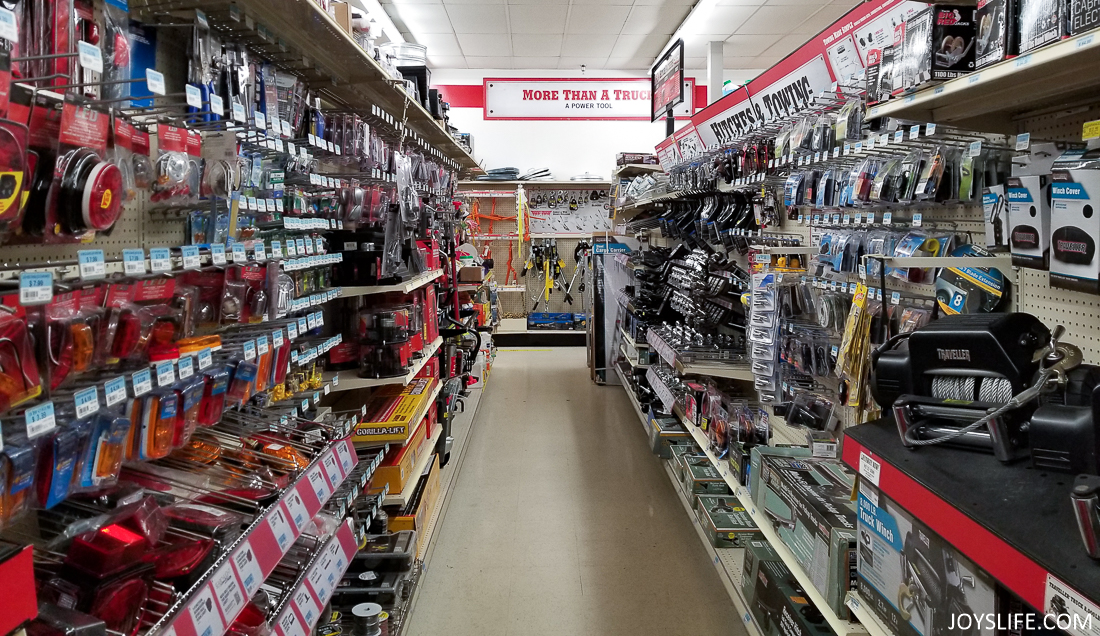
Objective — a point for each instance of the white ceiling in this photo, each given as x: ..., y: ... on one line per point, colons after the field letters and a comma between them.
x: 605, y: 34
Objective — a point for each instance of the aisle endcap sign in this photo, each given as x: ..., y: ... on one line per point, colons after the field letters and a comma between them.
x: 625, y: 99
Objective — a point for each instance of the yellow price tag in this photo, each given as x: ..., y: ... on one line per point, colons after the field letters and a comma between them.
x: 1091, y: 130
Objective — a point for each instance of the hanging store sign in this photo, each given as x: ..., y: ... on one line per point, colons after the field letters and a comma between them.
x: 624, y: 99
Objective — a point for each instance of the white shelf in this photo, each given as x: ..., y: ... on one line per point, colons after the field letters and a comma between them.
x: 730, y: 371
x: 537, y: 184
x: 869, y: 619
x: 511, y: 288
x: 990, y: 99
x: 840, y: 626
x: 636, y: 169
x: 350, y: 380
x: 636, y: 365
x: 413, y: 283
x: 642, y: 417
x: 630, y: 341
x: 401, y: 498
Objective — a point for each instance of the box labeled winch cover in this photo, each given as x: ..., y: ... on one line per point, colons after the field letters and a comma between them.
x: 912, y: 579
x: 1074, y: 223
x: 726, y: 523
x: 1029, y: 221
x: 810, y: 499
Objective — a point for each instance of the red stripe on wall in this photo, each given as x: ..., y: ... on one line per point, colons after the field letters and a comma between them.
x: 700, y: 97
x: 473, y: 95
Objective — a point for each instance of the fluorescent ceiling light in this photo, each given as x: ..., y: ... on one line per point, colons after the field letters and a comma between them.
x: 691, y: 25
x: 378, y: 14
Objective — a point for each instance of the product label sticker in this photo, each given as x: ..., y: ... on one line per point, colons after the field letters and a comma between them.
x: 277, y: 338
x: 280, y: 527
x: 239, y: 113
x: 276, y: 249
x: 239, y: 254
x: 303, y: 409
x: 217, y: 106
x: 249, y: 350
x: 248, y: 569
x: 344, y: 455
x: 1066, y: 609
x: 307, y: 606
x: 204, y: 615
x: 35, y: 288
x: 887, y: 218
x: 260, y: 250
x: 260, y: 119
x: 918, y: 219
x: 91, y: 58
x: 292, y: 330
x: 975, y: 148
x: 297, y: 508
x: 193, y: 96
x: 155, y: 81
x: 303, y: 327
x: 166, y: 373
x: 190, y: 256
x: 86, y: 401
x: 160, y: 259
x: 187, y: 367
x: 319, y: 484
x: 114, y: 391
x: 895, y: 298
x: 92, y: 264
x: 336, y: 380
x: 142, y: 381
x: 291, y: 250
x: 899, y: 136
x: 1023, y: 141
x: 8, y: 29
x: 133, y: 262
x: 332, y: 468
x: 869, y: 469
x: 228, y: 591
x: 217, y: 253
x: 205, y: 359
x: 262, y: 346
x: 289, y: 624
x: 40, y: 419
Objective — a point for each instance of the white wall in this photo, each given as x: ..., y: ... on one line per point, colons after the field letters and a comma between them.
x: 567, y: 148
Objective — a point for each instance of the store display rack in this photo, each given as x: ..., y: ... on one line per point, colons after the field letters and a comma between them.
x: 349, y: 380
x: 414, y: 283
x: 402, y: 498
x: 630, y: 170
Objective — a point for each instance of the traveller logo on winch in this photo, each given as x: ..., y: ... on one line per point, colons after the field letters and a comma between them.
x: 953, y: 354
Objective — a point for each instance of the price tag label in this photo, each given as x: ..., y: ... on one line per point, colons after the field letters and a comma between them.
x: 217, y: 106
x: 260, y: 119
x: 847, y: 219
x: 40, y: 419
x: 260, y: 251
x: 332, y: 467
x: 929, y: 129
x: 887, y: 218
x: 914, y: 131
x: 307, y: 607
x: 187, y: 367
x: 899, y: 136
x: 228, y: 591
x: 154, y: 80
x: 239, y: 113
x: 35, y: 288
x: 133, y: 262
x: 320, y: 578
x: 319, y: 484
x: 302, y: 325
x: 204, y: 615
x: 205, y: 359
x: 248, y: 569
x: 193, y: 96
x: 975, y: 148
x: 836, y: 152
x: 303, y: 409
x: 91, y: 58
x: 280, y: 527
x: 869, y: 468
x: 847, y: 148
x: 276, y: 249
x: 86, y: 401
x: 262, y: 346
x: 284, y: 125
x: 859, y: 147
x: 869, y: 144
x: 918, y: 219
x: 160, y: 259
x: 8, y: 30
x: 91, y: 264
x: 239, y: 254
x: 190, y: 256
x: 344, y: 455
x: 277, y: 338
x: 870, y: 217
x: 895, y: 298
x: 166, y: 373
x: 291, y: 248
x: 114, y: 391
x: 217, y: 253
x: 1023, y: 141
x: 298, y: 513
x: 292, y: 330
x: 142, y: 382
x: 249, y: 350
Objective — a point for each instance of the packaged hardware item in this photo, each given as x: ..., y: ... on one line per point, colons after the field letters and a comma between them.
x: 1084, y: 15
x: 995, y: 211
x: 1029, y: 220
x: 810, y: 497
x: 997, y: 31
x: 1074, y: 224
x: 911, y: 578
x: 1041, y: 22
x: 702, y: 478
x: 775, y: 597
x: 726, y: 523
x: 913, y: 64
x: 953, y: 35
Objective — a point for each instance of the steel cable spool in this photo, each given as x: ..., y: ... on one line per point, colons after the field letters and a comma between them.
x: 954, y: 387
x: 368, y: 619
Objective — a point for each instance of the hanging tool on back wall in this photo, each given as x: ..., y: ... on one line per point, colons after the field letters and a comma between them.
x: 580, y: 258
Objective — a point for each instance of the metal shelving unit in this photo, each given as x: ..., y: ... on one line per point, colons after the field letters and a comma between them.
x: 415, y: 282
x: 349, y: 380
x: 402, y: 498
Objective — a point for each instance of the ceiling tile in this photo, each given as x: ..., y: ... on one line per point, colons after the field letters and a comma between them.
x: 667, y: 3
x: 489, y: 62
x: 776, y: 20
x: 629, y: 63
x: 531, y: 18
x: 739, y: 62
x: 440, y: 44
x: 478, y: 18
x: 766, y: 61
x: 784, y: 45
x: 649, y: 19
x: 586, y: 45
x: 623, y: 3
x: 647, y: 46
x: 535, y: 62
x: 597, y: 19
x: 451, y: 2
x: 723, y: 21
x: 739, y: 3
x: 819, y: 21
x: 421, y: 18
x: 485, y: 44
x: 695, y: 62
x: 384, y: 4
x: 446, y: 61
x: 537, y: 45
x: 514, y: 3
x: 574, y: 63
x: 739, y: 45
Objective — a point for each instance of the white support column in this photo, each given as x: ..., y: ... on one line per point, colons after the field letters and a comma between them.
x: 716, y: 54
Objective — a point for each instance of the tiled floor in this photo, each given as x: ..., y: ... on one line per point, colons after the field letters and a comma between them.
x: 562, y: 522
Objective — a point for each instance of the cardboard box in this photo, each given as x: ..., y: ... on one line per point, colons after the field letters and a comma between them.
x: 418, y: 517
x: 810, y: 498
x: 342, y: 14
x: 896, y: 553
x: 678, y: 455
x: 1029, y: 220
x: 397, y: 467
x: 702, y: 478
x: 773, y: 595
x: 664, y: 431
x: 740, y: 457
x: 391, y: 410
x: 1074, y: 227
x: 624, y: 158
x: 726, y: 522
x: 756, y: 456
x: 474, y: 274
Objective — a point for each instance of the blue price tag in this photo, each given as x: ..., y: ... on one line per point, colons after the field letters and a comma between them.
x: 262, y: 346
x: 142, y: 381
x: 35, y: 288
x: 217, y: 254
x: 187, y: 368
x: 205, y: 359
x: 302, y: 326
x: 166, y: 373
x: 249, y: 350
x: 292, y: 330
x: 160, y: 259
x: 40, y: 419
x: 190, y: 256
x: 92, y: 264
x: 276, y: 249
x: 239, y: 254
x: 133, y: 262
x: 86, y: 401
x: 114, y: 391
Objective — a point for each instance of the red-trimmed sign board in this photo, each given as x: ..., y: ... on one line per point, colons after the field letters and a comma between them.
x: 614, y: 99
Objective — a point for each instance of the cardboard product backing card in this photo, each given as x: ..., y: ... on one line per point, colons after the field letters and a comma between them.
x: 898, y: 556
x: 1041, y: 22
x: 953, y: 34
x: 1084, y: 15
x: 1029, y: 220
x: 1074, y: 224
x: 997, y: 31
x: 995, y: 212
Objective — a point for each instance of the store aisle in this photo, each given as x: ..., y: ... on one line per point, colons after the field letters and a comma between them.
x: 563, y: 522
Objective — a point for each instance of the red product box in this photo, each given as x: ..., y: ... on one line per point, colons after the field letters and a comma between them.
x: 430, y: 249
x: 430, y: 369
